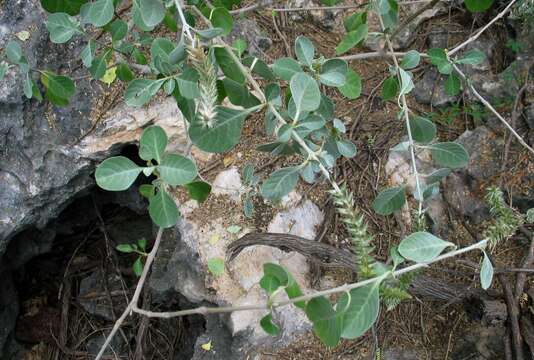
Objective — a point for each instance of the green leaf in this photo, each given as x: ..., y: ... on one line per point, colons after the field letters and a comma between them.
x: 188, y: 83
x: 285, y: 68
x: 61, y: 27
x: 97, y: 13
x: 472, y: 57
x: 222, y: 135
x: 422, y: 247
x: 210, y: 33
x: 334, y: 72
x: 437, y: 175
x: 280, y: 183
x: 99, y: 66
x: 125, y: 248
x: 260, y: 67
x: 140, y: 91
x: 58, y: 85
x: 162, y: 47
x: 118, y: 30
x: 269, y: 283
x: 239, y: 94
x: 13, y: 52
x: 423, y: 130
x: 486, y: 272
x: 198, y: 190
x: 390, y: 88
x: 71, y: 7
x: 163, y: 210
x: 327, y: 322
x: 453, y: 85
x: 304, y: 50
x: 268, y: 326
x: 88, y: 53
x: 353, y: 21
x: 305, y: 92
x: 438, y: 57
x: 216, y: 266
x: 276, y: 271
x: 152, y: 143
x: 449, y: 154
x: 390, y: 200
x: 346, y: 148
x: 228, y: 65
x: 410, y: 60
x: 220, y: 18
x: 353, y: 85
x: 116, y: 173
x: 478, y: 5
x: 177, y: 170
x: 240, y: 46
x: 138, y: 267
x: 124, y: 73
x: 147, y: 190
x: 152, y: 12
x: 142, y: 244
x: 362, y: 309
x: 406, y: 82
x: 352, y: 39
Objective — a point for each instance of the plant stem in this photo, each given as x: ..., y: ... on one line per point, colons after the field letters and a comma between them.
x: 406, y: 114
x: 135, y: 298
x: 203, y: 310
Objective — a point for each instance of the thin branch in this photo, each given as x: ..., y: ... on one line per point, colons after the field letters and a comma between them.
x: 491, y: 108
x: 203, y: 310
x: 135, y: 298
x: 484, y: 28
x: 406, y: 114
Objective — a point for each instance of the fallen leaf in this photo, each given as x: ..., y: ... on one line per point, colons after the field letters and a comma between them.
x: 23, y: 35
x: 110, y: 76
x: 206, y: 346
x: 234, y: 229
x: 214, y: 239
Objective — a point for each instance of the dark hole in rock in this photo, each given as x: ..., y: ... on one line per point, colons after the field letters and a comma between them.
x: 70, y: 283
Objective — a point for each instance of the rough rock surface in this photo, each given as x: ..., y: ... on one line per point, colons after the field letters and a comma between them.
x: 258, y: 42
x: 182, y: 266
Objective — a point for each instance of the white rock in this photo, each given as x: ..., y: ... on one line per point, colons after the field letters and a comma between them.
x: 228, y: 182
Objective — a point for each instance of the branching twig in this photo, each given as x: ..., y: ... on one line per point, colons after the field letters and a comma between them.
x: 484, y: 28
x: 491, y: 108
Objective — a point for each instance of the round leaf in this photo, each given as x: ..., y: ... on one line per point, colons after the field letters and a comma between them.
x: 449, y: 154
x: 61, y: 27
x: 71, y: 7
x: 116, y: 173
x: 353, y: 85
x: 327, y: 323
x: 305, y: 92
x: 222, y: 135
x: 220, y: 18
x: 98, y: 13
x: 285, y: 68
x: 152, y: 12
x: 304, y: 50
x: 334, y: 73
x: 422, y: 247
x: 152, y: 144
x: 361, y: 312
x: 390, y: 200
x: 478, y: 5
x: 177, y: 170
x: 163, y: 210
x: 423, y: 130
x: 280, y: 183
